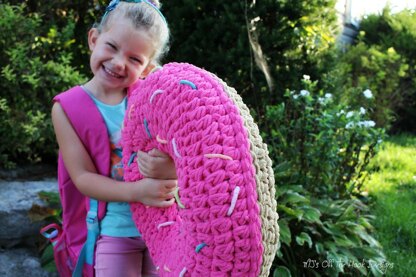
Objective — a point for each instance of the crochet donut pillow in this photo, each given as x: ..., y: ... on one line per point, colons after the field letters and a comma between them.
x: 224, y: 221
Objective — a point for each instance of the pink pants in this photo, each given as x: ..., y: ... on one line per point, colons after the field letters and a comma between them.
x: 127, y: 257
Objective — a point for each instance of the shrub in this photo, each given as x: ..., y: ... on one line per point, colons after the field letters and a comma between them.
x: 321, y: 150
x: 364, y: 67
x: 253, y: 45
x: 35, y: 65
x: 397, y: 31
x: 383, y: 60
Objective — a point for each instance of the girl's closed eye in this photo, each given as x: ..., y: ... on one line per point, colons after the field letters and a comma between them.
x: 112, y: 46
x: 136, y: 60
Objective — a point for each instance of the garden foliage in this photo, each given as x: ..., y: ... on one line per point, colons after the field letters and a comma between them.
x: 384, y: 61
x: 321, y: 150
x: 259, y: 47
x: 397, y: 31
x: 320, y: 143
x: 35, y: 65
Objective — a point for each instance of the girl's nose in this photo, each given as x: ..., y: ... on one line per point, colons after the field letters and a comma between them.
x: 118, y: 62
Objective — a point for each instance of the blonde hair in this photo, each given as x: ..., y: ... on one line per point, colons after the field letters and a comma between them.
x: 144, y: 16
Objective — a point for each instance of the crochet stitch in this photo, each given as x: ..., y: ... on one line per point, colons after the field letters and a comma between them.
x: 225, y: 220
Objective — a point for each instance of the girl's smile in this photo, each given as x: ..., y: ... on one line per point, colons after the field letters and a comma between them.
x: 120, y: 55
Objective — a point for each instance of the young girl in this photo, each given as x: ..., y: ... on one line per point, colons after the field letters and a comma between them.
x: 125, y: 45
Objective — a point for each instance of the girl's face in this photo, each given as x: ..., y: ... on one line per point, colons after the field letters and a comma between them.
x: 120, y: 55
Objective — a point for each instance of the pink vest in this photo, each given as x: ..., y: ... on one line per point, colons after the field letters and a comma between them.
x: 92, y: 131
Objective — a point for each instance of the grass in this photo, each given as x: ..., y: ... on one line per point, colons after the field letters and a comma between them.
x: 393, y: 188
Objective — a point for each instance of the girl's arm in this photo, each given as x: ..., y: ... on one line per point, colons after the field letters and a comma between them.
x: 82, y: 171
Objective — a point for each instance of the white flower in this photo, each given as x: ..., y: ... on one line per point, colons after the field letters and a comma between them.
x: 328, y: 95
x: 349, y: 125
x: 350, y: 114
x: 321, y: 100
x: 341, y: 112
x: 306, y: 77
x: 379, y: 141
x: 366, y: 124
x: 362, y: 110
x: 369, y: 123
x: 368, y: 94
x: 292, y: 92
x: 304, y: 93
x: 295, y: 96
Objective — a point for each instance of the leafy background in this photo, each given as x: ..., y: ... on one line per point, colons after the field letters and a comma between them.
x: 303, y: 89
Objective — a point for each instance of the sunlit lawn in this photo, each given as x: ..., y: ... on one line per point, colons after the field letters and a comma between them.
x: 393, y: 187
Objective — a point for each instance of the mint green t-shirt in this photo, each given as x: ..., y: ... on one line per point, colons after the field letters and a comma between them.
x: 117, y: 221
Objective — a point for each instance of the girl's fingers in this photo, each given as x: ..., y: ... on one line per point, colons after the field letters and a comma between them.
x: 142, y: 167
x: 170, y: 195
x: 143, y: 157
x: 167, y: 203
x: 171, y: 184
x: 157, y: 153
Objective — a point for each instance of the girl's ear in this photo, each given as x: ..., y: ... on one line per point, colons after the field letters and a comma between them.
x: 92, y: 38
x: 147, y: 70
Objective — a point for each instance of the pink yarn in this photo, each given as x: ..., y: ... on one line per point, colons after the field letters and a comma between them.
x: 184, y: 111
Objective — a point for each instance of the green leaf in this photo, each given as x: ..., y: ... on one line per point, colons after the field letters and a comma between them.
x: 311, y: 214
x: 281, y: 169
x: 319, y: 248
x: 302, y: 238
x: 344, y: 241
x: 348, y: 213
x: 370, y: 253
x: 365, y: 223
x: 47, y: 259
x: 332, y: 229
x: 296, y: 213
x: 375, y: 269
x: 281, y: 271
x: 47, y: 255
x: 337, y: 260
x: 52, y: 198
x: 293, y: 197
x: 330, y: 246
x: 352, y: 261
x: 281, y: 190
x: 329, y: 208
x: 285, y: 234
x: 362, y: 233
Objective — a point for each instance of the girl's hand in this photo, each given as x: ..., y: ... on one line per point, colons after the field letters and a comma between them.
x: 156, y: 193
x: 156, y: 164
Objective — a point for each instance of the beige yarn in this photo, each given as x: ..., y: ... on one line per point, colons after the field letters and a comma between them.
x: 264, y: 179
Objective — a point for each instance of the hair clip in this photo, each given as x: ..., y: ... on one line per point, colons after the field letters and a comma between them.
x: 113, y: 4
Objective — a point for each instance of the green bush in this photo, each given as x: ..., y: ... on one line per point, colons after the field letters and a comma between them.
x: 364, y: 67
x: 259, y: 47
x: 45, y: 45
x: 397, y: 31
x: 321, y: 150
x: 35, y: 66
x: 384, y: 61
x: 60, y: 13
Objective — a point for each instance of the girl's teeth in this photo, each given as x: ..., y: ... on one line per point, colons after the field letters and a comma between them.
x: 112, y: 73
